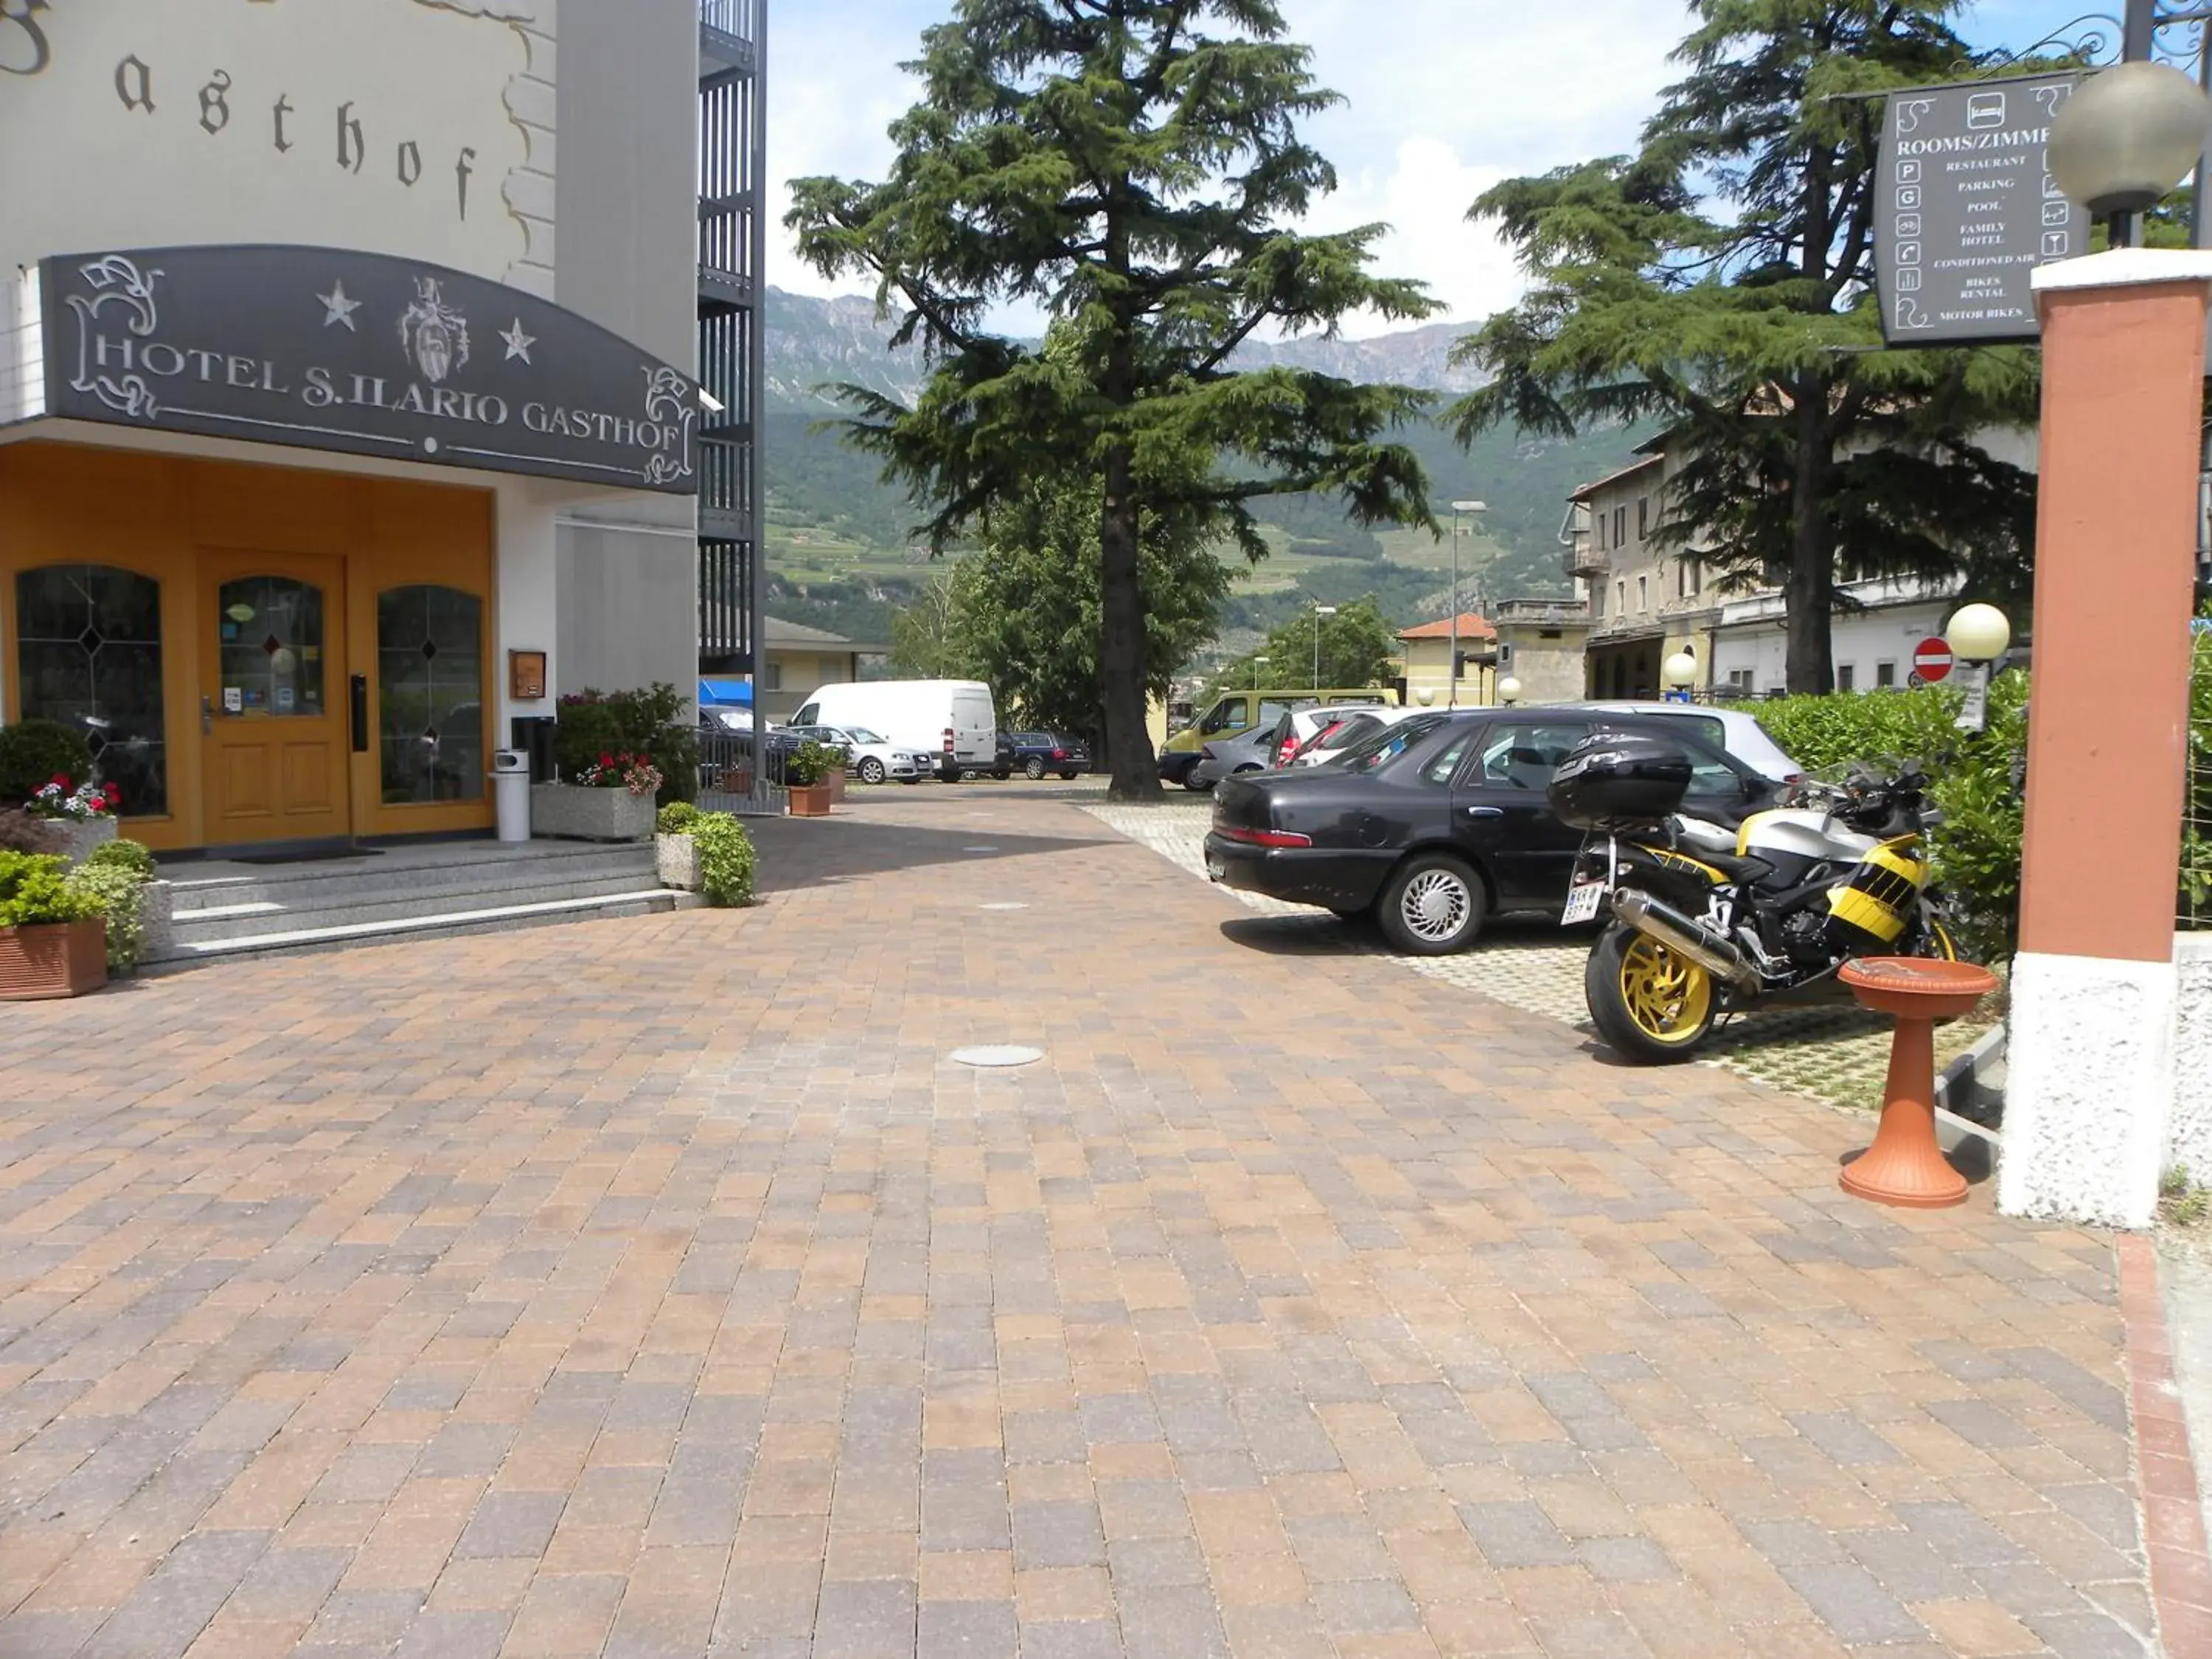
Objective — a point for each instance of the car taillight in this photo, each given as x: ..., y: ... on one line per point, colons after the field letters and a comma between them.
x: 1059, y: 754
x: 1288, y: 753
x: 1264, y: 837
x: 948, y: 740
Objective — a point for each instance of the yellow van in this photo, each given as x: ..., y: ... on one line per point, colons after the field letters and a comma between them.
x: 1235, y: 712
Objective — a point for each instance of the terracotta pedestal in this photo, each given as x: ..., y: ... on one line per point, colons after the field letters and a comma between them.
x: 1906, y: 1165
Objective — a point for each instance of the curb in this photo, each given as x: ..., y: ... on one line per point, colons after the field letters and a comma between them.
x: 2165, y: 1475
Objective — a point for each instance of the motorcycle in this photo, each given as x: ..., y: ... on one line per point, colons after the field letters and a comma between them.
x: 1706, y: 921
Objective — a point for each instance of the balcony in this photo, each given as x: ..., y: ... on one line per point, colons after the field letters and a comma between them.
x: 1541, y: 613
x: 1584, y: 557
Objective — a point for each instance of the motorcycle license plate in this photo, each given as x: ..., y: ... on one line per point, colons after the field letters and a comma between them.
x: 1581, y: 903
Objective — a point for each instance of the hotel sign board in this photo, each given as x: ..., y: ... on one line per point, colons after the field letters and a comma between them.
x: 361, y: 353
x: 1966, y: 208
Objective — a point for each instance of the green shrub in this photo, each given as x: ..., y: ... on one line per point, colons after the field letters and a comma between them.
x: 124, y: 854
x: 34, y: 752
x: 34, y: 892
x: 726, y: 858
x: 811, y: 762
x: 117, y: 892
x: 649, y: 722
x: 677, y: 819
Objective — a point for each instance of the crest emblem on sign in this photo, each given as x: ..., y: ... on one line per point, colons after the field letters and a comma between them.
x: 435, y: 335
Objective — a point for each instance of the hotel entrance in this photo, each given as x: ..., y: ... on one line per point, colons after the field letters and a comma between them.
x: 257, y: 656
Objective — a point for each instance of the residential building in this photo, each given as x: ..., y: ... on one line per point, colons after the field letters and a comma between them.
x: 1875, y: 627
x: 1431, y: 672
x: 1541, y: 643
x: 1648, y: 599
x: 324, y: 460
x: 801, y: 658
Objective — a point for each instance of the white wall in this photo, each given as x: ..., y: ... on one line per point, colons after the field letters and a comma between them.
x: 1861, y: 640
x: 162, y: 122
x: 629, y: 602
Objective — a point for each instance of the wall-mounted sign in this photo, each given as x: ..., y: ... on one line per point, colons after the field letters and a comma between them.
x: 1966, y: 208
x: 525, y: 676
x: 359, y: 352
x: 392, y: 124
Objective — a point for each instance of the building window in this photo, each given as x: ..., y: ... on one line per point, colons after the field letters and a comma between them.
x: 775, y: 677
x: 1689, y: 579
x: 1599, y: 519
x: 1644, y: 592
x: 429, y: 694
x: 1620, y: 527
x: 1740, y: 680
x: 1597, y: 601
x: 1884, y: 673
x: 1847, y: 677
x: 1621, y: 598
x: 89, y: 655
x: 1643, y: 517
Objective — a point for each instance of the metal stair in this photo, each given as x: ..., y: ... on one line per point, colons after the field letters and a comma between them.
x: 227, y: 910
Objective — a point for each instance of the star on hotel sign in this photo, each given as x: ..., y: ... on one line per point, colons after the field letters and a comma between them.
x: 337, y: 308
x: 518, y: 343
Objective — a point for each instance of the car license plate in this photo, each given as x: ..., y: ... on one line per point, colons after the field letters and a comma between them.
x: 1581, y: 903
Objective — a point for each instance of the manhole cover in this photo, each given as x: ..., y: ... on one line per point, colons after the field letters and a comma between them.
x: 994, y: 1055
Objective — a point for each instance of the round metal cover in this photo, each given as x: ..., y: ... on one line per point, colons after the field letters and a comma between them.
x: 994, y: 1055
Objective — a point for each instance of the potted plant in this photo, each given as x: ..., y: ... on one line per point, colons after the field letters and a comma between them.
x: 140, y: 907
x: 52, y: 937
x: 806, y: 772
x: 609, y: 799
x: 675, y: 855
x: 45, y: 769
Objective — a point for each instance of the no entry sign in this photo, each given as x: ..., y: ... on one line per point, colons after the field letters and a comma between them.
x: 1932, y: 659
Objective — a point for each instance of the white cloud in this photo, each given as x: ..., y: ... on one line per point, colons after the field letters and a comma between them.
x: 1443, y: 98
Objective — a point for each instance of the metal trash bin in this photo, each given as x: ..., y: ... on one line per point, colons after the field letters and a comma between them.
x: 510, y: 783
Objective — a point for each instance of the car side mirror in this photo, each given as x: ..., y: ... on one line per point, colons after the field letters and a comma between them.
x: 1754, y: 787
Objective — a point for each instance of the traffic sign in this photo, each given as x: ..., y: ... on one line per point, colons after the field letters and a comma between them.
x: 1932, y: 659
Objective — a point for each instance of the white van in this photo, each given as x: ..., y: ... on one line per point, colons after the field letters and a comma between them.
x: 952, y: 720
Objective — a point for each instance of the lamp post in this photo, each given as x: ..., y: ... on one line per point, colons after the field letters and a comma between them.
x: 2091, y: 1059
x: 1256, y: 662
x: 1508, y: 691
x: 1681, y: 673
x: 1469, y: 508
x: 1977, y: 634
x: 1320, y: 611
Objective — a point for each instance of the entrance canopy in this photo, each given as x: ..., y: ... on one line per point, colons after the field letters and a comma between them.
x: 332, y: 350
x: 726, y: 694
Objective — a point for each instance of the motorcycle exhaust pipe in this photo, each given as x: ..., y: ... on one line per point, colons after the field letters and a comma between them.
x: 1679, y: 934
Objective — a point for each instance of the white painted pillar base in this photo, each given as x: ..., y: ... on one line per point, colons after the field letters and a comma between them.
x: 2089, y: 1078
x: 2188, y: 1136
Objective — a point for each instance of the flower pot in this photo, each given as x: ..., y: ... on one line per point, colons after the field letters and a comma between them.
x: 675, y: 860
x: 566, y: 812
x: 810, y: 800
x: 157, y: 917
x: 835, y: 782
x: 57, y: 959
x: 75, y: 838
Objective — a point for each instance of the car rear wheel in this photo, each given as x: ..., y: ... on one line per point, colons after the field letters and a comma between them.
x: 1033, y: 770
x: 871, y: 769
x: 1432, y: 906
x: 1196, y: 785
x: 1067, y: 777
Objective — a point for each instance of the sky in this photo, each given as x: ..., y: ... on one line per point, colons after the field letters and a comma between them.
x: 1443, y: 99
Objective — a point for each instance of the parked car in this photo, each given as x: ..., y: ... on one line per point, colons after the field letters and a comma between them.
x: 1300, y: 727
x: 1348, y: 734
x: 1228, y: 757
x: 1436, y: 823
x: 950, y: 721
x: 870, y: 756
x: 1736, y: 730
x: 725, y: 748
x: 1035, y: 753
x: 1235, y: 712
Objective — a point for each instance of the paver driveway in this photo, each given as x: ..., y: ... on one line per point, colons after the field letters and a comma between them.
x: 659, y: 1288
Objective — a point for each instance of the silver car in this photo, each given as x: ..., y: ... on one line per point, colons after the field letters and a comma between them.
x: 869, y: 756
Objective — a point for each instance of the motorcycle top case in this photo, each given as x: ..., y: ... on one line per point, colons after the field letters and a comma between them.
x: 1619, y: 781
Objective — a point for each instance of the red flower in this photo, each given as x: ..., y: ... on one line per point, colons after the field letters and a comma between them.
x: 114, y: 795
x: 606, y: 760
x: 60, y: 778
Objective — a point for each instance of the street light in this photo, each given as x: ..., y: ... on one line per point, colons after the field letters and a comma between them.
x: 1978, y: 635
x: 1508, y: 691
x: 2127, y: 137
x: 1470, y: 508
x: 1320, y: 611
x: 1256, y: 662
x: 1680, y: 673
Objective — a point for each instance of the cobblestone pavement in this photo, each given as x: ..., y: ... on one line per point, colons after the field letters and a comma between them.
x: 1836, y: 1054
x: 658, y: 1288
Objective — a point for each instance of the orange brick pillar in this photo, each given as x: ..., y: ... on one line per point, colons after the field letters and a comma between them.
x: 2090, y: 1064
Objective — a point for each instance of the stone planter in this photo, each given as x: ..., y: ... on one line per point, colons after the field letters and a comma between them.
x: 675, y: 860
x: 810, y: 800
x: 60, y: 959
x: 565, y: 811
x: 75, y: 838
x: 157, y: 917
x: 836, y: 784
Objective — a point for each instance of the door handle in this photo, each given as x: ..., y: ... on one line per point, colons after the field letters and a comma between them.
x: 207, y: 715
x: 357, y: 708
x: 1485, y: 811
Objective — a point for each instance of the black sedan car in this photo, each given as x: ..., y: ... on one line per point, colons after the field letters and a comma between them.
x: 1435, y: 823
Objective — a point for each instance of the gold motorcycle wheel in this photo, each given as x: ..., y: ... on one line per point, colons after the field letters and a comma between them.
x: 1647, y: 1002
